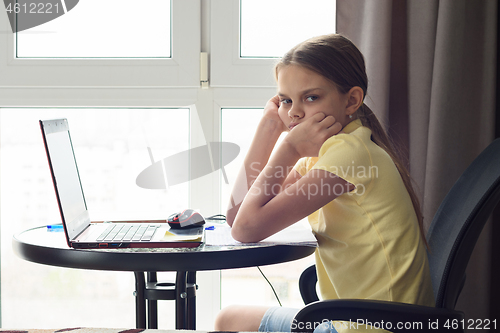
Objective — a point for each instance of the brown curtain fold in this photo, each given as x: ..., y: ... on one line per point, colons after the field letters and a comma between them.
x: 432, y: 70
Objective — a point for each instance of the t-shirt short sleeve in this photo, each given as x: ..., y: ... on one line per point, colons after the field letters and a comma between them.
x: 346, y: 156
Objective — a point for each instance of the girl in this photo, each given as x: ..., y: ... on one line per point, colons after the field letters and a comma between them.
x: 345, y: 176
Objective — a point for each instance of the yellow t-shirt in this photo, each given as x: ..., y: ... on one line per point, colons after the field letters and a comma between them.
x: 370, y: 245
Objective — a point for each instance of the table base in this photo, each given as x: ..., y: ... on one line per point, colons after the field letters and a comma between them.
x: 148, y: 291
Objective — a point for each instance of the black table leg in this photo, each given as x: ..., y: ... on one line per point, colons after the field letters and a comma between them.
x: 184, y: 294
x: 140, y: 302
x: 191, y: 303
x: 152, y: 304
x: 180, y: 300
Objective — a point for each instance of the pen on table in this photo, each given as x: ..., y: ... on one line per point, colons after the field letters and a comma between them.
x: 54, y: 227
x: 210, y: 228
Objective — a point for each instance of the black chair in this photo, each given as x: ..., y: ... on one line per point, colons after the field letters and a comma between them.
x: 452, y: 236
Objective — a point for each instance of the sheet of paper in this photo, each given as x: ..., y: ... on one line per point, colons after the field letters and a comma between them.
x: 295, y: 234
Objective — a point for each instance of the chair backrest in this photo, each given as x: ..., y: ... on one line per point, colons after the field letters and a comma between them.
x: 458, y: 223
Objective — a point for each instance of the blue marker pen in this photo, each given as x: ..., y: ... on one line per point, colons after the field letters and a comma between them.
x: 210, y: 228
x: 55, y: 227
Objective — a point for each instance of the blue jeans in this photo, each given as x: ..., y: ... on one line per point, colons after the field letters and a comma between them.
x: 278, y: 319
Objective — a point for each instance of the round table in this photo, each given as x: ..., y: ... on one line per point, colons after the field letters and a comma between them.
x: 50, y: 248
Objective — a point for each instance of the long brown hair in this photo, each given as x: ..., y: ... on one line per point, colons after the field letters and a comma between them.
x: 336, y: 58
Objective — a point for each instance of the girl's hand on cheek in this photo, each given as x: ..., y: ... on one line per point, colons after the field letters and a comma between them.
x: 308, y: 137
x: 271, y: 113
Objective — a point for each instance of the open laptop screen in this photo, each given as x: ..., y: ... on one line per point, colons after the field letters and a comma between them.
x: 65, y: 175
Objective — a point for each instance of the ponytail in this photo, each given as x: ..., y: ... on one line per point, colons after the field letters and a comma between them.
x: 379, y: 136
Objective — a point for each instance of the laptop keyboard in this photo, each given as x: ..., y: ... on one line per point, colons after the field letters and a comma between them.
x: 127, y: 233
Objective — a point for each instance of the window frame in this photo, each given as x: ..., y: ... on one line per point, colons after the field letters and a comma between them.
x: 181, y: 70
x: 228, y: 69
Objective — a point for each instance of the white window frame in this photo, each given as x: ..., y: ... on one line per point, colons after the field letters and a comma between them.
x: 228, y: 69
x: 181, y: 70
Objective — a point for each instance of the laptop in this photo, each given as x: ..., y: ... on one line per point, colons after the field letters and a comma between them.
x: 80, y: 232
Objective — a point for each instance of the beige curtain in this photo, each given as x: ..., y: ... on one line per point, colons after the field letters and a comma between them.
x: 432, y: 81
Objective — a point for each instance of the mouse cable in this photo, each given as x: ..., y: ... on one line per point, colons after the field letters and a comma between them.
x: 274, y: 291
x: 218, y: 217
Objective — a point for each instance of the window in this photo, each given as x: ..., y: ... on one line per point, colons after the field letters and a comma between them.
x: 248, y: 36
x: 105, y: 51
x: 233, y: 129
x: 269, y: 28
x: 111, y: 150
x: 136, y: 30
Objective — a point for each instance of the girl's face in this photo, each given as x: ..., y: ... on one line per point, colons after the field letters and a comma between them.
x: 304, y: 93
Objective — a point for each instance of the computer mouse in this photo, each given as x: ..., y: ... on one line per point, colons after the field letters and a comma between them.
x: 188, y: 218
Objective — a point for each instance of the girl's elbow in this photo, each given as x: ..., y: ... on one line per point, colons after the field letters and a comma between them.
x: 235, y: 233
x: 244, y: 234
